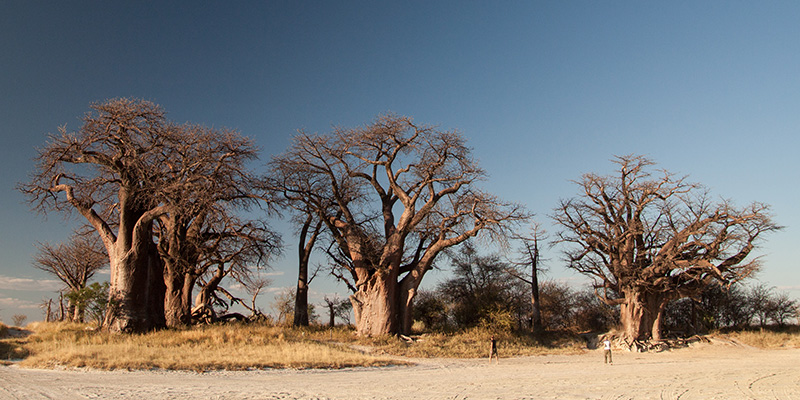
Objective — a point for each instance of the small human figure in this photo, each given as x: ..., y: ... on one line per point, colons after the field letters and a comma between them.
x: 493, y: 351
x: 607, y: 351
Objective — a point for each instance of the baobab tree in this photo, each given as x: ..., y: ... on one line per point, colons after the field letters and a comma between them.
x: 392, y: 195
x: 74, y: 263
x: 647, y: 238
x: 105, y: 171
x: 205, y: 182
x: 135, y: 177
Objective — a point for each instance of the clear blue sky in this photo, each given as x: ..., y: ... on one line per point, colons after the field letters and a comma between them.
x: 544, y: 91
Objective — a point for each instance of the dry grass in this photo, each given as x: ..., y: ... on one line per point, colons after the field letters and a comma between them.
x: 10, y: 348
x: 770, y: 338
x: 228, y: 347
x: 241, y: 347
x: 474, y: 343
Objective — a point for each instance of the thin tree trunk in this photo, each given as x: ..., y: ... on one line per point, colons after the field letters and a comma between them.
x: 332, y: 310
x: 536, y: 312
x: 308, y: 236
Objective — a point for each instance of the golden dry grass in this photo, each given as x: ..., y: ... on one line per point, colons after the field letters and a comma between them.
x: 11, y: 348
x: 474, y: 343
x: 788, y: 337
x: 228, y: 347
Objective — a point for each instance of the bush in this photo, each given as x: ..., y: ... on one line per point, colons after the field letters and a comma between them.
x: 91, y: 301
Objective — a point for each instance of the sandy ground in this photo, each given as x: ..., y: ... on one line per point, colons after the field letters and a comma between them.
x: 702, y: 372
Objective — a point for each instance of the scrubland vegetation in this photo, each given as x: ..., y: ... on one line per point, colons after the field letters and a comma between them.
x: 238, y: 346
x: 766, y: 338
x: 255, y: 346
x: 177, y: 194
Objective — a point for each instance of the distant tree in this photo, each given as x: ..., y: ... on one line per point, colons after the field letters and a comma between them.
x: 74, y: 263
x: 733, y: 307
x: 283, y: 306
x: 760, y: 301
x: 392, y: 195
x: 309, y: 232
x: 337, y: 308
x: 481, y: 288
x: 558, y: 305
x: 19, y: 319
x: 254, y: 285
x: 527, y: 268
x: 716, y: 307
x: 647, y: 239
x: 310, y: 227
x: 591, y: 314
x: 47, y: 309
x: 431, y: 309
x: 784, y: 309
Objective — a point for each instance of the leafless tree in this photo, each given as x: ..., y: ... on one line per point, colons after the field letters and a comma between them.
x: 47, y: 309
x: 74, y: 263
x: 392, y: 195
x: 19, y: 319
x: 205, y: 182
x: 105, y: 171
x: 337, y: 308
x: 648, y: 238
x: 310, y: 230
x: 274, y: 190
x: 234, y: 249
x: 784, y: 308
x: 527, y: 267
x: 154, y: 191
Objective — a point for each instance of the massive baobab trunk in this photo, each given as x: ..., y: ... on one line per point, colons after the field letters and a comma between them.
x: 641, y: 314
x: 178, y: 298
x: 136, y: 293
x: 376, y: 306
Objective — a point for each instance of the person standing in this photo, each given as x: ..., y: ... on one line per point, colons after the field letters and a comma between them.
x: 493, y: 350
x: 606, y: 351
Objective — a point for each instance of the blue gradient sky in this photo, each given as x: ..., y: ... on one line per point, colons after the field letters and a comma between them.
x: 545, y: 91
